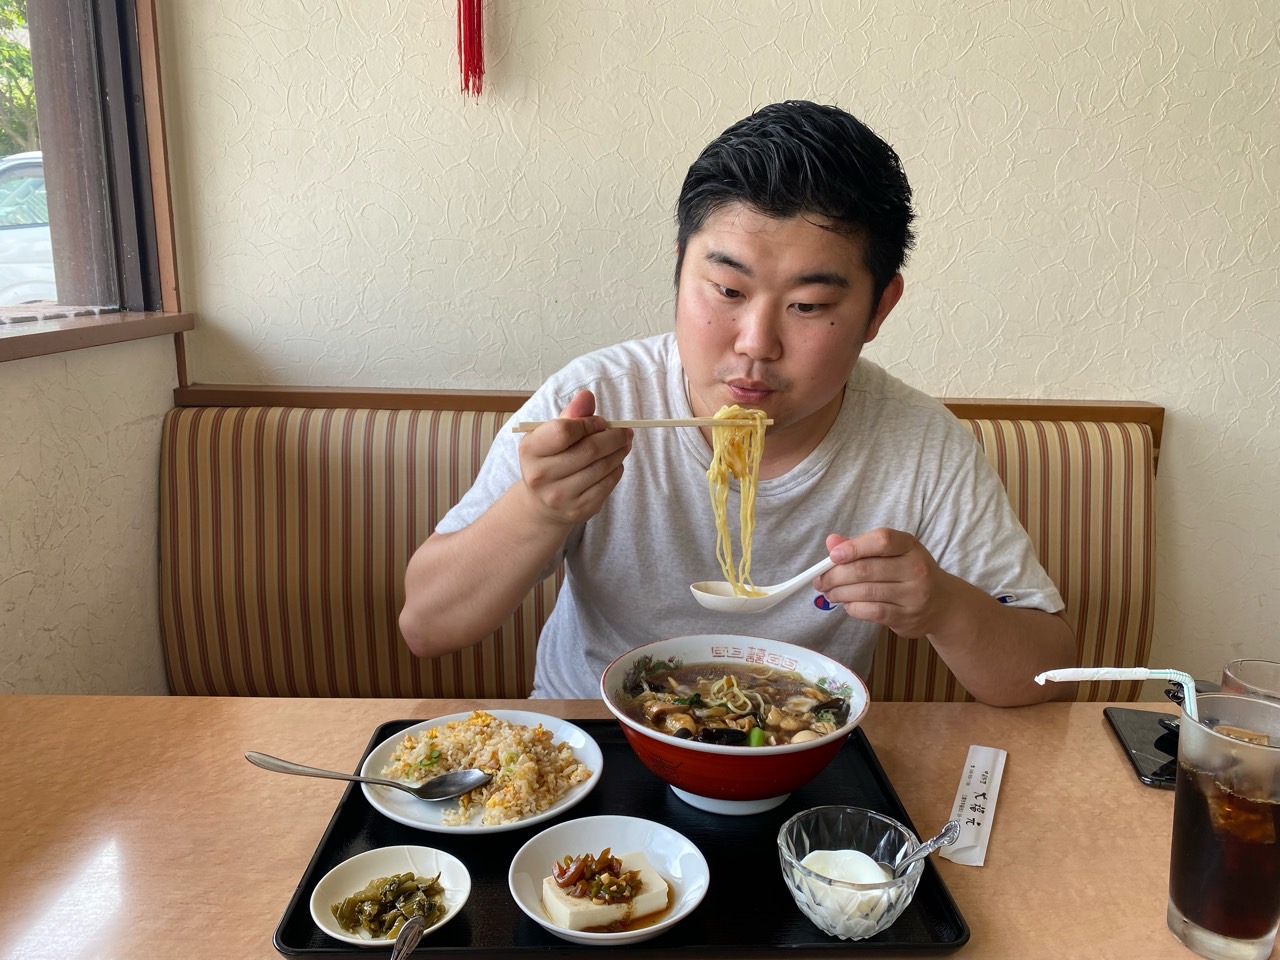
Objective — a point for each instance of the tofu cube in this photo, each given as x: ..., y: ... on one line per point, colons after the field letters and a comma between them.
x: 579, y: 913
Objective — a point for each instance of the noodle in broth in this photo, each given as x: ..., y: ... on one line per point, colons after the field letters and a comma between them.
x: 733, y: 704
x: 735, y: 454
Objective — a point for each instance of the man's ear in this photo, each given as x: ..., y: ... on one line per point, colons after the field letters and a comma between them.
x: 888, y: 300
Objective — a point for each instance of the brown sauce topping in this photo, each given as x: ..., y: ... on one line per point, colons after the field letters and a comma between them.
x: 628, y: 922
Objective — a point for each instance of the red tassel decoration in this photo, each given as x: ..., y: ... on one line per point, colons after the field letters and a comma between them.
x: 470, y: 46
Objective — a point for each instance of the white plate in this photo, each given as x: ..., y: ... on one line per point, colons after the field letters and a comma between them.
x: 354, y: 874
x: 425, y: 815
x: 681, y: 864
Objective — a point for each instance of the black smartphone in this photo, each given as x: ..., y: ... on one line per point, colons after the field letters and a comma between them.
x: 1150, y: 743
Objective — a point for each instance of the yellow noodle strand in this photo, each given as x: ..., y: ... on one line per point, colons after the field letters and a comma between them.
x: 736, y: 452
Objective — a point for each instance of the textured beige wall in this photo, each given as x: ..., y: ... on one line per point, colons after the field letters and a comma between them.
x: 1095, y: 184
x: 79, y: 461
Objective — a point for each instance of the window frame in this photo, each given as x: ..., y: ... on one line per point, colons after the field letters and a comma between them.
x: 138, y: 179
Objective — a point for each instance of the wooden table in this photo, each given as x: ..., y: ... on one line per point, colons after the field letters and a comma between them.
x: 134, y: 827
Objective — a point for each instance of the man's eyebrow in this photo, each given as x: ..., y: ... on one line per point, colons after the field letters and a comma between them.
x: 722, y: 258
x: 827, y: 278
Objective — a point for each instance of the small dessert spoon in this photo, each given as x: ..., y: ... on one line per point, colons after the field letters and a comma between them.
x: 444, y: 787
x: 949, y: 833
x: 408, y: 936
x: 718, y: 595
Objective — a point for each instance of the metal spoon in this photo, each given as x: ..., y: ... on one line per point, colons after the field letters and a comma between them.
x: 949, y: 833
x: 408, y: 936
x: 443, y: 787
x: 718, y: 594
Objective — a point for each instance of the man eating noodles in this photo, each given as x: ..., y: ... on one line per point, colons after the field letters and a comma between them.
x: 792, y: 228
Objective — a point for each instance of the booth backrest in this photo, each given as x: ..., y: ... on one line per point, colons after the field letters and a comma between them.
x: 1085, y: 492
x: 287, y: 518
x: 284, y: 536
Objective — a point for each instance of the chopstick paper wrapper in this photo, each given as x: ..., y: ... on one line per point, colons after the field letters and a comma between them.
x: 975, y: 805
x: 1129, y: 673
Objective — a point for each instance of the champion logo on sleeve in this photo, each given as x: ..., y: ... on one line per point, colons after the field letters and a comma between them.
x: 1006, y: 597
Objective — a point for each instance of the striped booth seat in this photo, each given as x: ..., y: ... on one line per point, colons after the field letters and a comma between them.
x: 284, y: 535
x: 287, y: 517
x: 1083, y: 486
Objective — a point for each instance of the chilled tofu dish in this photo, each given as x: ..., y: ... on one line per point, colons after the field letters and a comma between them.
x: 603, y: 893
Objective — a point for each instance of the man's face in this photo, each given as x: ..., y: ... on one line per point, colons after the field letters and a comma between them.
x: 773, y: 314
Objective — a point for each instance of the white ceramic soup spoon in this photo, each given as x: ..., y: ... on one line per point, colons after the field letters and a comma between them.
x: 718, y: 594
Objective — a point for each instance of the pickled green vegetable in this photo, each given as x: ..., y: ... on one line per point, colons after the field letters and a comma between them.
x: 384, y: 905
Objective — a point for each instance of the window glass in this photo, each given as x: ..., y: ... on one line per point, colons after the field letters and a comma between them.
x: 26, y: 256
x: 74, y: 172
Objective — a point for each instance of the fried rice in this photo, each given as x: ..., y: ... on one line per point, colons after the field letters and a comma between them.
x: 530, y: 771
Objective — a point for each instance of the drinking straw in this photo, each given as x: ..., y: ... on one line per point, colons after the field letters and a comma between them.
x: 1129, y: 673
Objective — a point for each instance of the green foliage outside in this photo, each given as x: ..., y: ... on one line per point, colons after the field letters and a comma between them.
x: 18, y: 129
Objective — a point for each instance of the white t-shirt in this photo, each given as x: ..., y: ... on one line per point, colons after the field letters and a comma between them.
x: 894, y: 457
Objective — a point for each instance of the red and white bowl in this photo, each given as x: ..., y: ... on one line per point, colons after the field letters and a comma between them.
x: 737, y: 779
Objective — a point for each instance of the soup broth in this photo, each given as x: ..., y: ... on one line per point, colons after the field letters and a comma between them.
x: 733, y: 704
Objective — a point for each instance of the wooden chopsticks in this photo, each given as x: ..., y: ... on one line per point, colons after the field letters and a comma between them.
x: 527, y: 425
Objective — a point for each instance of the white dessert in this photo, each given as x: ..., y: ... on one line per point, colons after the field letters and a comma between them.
x: 849, y: 866
x: 579, y: 913
x: 845, y: 912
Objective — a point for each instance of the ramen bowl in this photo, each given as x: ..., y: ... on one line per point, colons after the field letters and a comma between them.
x: 736, y: 779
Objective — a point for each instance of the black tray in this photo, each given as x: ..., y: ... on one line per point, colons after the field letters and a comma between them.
x: 764, y: 922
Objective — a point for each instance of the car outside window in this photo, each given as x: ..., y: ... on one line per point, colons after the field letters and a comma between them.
x: 26, y: 256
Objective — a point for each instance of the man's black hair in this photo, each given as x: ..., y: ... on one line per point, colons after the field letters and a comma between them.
x: 800, y: 158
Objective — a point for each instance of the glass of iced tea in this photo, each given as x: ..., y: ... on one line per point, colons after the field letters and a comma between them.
x: 1253, y: 678
x: 1224, y: 865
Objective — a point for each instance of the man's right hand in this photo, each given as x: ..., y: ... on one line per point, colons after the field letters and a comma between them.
x: 570, y: 465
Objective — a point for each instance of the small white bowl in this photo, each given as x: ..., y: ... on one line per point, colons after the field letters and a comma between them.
x: 681, y: 864
x: 354, y: 874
